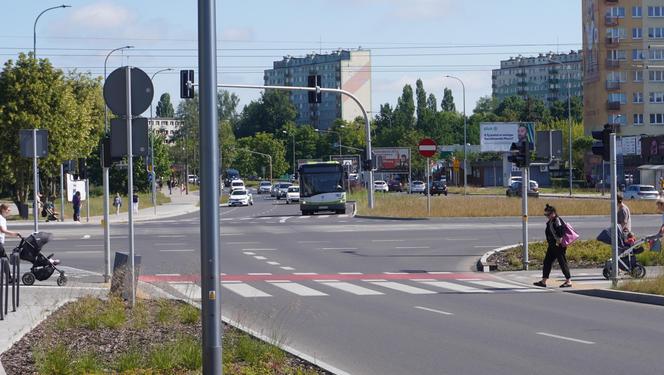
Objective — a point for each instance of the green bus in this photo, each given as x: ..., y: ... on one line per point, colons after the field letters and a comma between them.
x: 321, y: 187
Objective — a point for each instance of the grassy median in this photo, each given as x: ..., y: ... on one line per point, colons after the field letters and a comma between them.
x: 651, y: 286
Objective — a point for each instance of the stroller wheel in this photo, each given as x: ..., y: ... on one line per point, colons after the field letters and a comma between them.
x: 62, y: 280
x: 28, y: 278
x: 638, y: 271
x: 606, y: 273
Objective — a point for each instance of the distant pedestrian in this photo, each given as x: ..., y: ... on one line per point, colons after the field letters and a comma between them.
x: 134, y: 201
x: 117, y: 203
x: 76, y: 203
x: 4, y: 213
x: 624, y: 216
x: 169, y: 183
x: 555, y: 230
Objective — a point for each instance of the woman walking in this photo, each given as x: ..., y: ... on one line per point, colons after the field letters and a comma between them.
x: 555, y: 230
x: 76, y: 205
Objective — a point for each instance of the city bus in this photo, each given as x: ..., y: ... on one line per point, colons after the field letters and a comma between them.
x: 321, y: 187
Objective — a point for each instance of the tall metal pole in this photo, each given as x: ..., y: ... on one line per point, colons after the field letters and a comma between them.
x: 35, y: 181
x: 525, y: 185
x: 428, y: 191
x: 34, y: 28
x: 62, y: 193
x: 209, y: 162
x: 130, y: 186
x: 465, y: 137
x: 105, y: 181
x: 87, y: 199
x: 569, y: 122
x: 614, y: 211
x: 294, y: 155
x: 152, y: 171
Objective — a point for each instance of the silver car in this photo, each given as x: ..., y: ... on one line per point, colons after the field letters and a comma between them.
x: 240, y: 197
x: 641, y: 192
x: 265, y: 187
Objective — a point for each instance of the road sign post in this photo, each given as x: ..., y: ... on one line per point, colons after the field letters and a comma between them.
x: 427, y: 148
x: 525, y: 184
x: 614, y: 209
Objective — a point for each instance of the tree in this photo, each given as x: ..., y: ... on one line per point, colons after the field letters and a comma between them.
x: 432, y: 104
x: 485, y: 105
x: 405, y: 110
x: 35, y: 95
x: 164, y: 106
x: 447, y: 105
x: 227, y: 103
x: 421, y: 96
x: 252, y: 164
x: 267, y: 114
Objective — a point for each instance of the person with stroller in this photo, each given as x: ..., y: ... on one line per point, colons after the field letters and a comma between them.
x: 49, y: 210
x: 555, y: 230
x: 624, y: 216
x: 4, y: 213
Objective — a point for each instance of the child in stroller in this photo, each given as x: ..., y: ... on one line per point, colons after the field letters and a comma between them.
x: 628, y: 247
x: 48, y: 211
x: 29, y: 249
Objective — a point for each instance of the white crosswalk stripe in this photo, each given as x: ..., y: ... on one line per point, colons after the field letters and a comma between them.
x: 244, y: 290
x: 298, y: 289
x: 455, y: 287
x: 352, y: 288
x: 190, y: 290
x: 497, y: 285
x: 402, y: 287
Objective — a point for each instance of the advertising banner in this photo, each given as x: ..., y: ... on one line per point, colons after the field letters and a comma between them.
x: 652, y: 149
x: 351, y: 163
x: 392, y: 159
x: 499, y: 136
x: 75, y: 185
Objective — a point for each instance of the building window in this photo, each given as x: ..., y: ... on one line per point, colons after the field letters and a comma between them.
x: 655, y: 11
x: 656, y: 75
x: 638, y: 119
x: 637, y: 97
x: 617, y: 54
x: 638, y: 76
x: 656, y: 32
x: 638, y: 54
x: 616, y: 12
x: 657, y: 118
x: 617, y: 97
x: 616, y: 33
x: 657, y: 54
x: 656, y: 97
x: 637, y: 12
x: 637, y: 33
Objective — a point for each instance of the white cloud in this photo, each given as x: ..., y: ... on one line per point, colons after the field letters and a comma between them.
x: 237, y: 34
x: 101, y: 16
x: 408, y: 9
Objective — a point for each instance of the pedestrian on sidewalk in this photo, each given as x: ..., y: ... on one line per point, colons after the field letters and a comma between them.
x: 76, y: 204
x: 169, y: 183
x: 555, y: 230
x: 134, y: 201
x: 624, y: 216
x: 117, y: 203
x: 4, y: 213
x: 660, y: 209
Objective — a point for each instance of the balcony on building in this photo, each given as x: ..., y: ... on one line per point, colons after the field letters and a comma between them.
x: 612, y: 85
x: 611, y: 1
x: 612, y: 42
x: 553, y: 71
x: 610, y: 20
x: 612, y: 105
x: 521, y: 74
x: 612, y: 63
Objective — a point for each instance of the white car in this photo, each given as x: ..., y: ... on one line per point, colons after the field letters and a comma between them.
x: 513, y: 179
x: 293, y: 194
x: 264, y: 187
x: 237, y: 185
x: 418, y: 187
x: 380, y: 185
x: 641, y: 192
x: 240, y: 197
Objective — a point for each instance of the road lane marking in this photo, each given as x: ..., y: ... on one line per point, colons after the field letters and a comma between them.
x: 171, y: 236
x: 497, y: 285
x: 260, y: 273
x: 190, y: 290
x: 242, y: 243
x: 323, y: 216
x: 83, y: 252
x: 433, y: 310
x: 402, y: 287
x: 232, y: 234
x: 565, y: 338
x: 313, y: 242
x: 287, y: 268
x: 351, y: 288
x: 169, y: 244
x: 455, y: 287
x: 177, y: 251
x: 305, y: 273
x: 350, y: 273
x: 245, y: 290
x: 85, y: 237
x: 439, y: 273
x: 412, y: 247
x: 95, y: 245
x: 258, y: 249
x: 485, y: 246
x: 249, y: 253
x: 274, y: 263
x: 387, y: 240
x: 337, y: 248
x: 260, y: 257
x: 283, y: 219
x: 395, y: 273
x: 167, y: 274
x: 299, y: 289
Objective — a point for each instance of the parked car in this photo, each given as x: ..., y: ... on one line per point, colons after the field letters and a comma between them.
x: 282, y: 189
x: 395, y: 185
x: 380, y: 185
x: 240, y: 197
x: 514, y: 179
x: 193, y: 179
x: 293, y: 194
x: 515, y: 190
x: 264, y: 187
x: 641, y: 192
x: 418, y: 187
x: 439, y: 187
x: 237, y: 185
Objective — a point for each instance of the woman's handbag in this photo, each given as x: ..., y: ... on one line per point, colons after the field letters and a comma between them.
x: 570, y: 235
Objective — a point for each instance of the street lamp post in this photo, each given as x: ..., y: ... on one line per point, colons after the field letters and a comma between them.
x: 34, y: 28
x: 332, y: 131
x: 154, y: 175
x: 285, y: 132
x: 107, y: 225
x: 569, y: 124
x: 465, y: 136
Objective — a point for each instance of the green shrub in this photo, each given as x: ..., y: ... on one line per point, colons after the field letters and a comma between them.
x: 87, y: 363
x: 130, y: 360
x: 165, y: 312
x: 54, y: 361
x: 189, y: 314
x: 652, y: 286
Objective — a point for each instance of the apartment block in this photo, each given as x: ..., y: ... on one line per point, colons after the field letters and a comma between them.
x: 546, y: 77
x: 349, y: 70
x: 166, y: 126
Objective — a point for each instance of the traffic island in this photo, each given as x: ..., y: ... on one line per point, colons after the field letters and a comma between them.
x: 163, y: 336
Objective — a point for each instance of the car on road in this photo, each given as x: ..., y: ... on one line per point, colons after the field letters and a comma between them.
x: 193, y: 179
x: 264, y: 187
x: 395, y: 185
x: 515, y: 189
x: 439, y: 187
x: 380, y: 185
x: 418, y: 187
x: 514, y: 179
x: 641, y: 192
x: 237, y: 185
x: 240, y: 197
x: 293, y: 194
x: 282, y: 189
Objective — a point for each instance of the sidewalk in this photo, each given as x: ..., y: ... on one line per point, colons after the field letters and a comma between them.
x: 180, y: 204
x: 581, y: 278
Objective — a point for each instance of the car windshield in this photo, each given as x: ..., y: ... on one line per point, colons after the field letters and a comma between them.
x: 265, y: 183
x: 319, y: 183
x: 294, y: 190
x: 239, y: 192
x: 284, y: 186
x: 418, y: 183
x: 237, y: 184
x: 648, y: 188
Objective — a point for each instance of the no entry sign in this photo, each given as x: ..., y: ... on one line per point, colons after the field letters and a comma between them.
x: 427, y: 147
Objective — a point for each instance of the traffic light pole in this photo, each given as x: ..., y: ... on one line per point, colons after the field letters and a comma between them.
x: 614, y: 211
x: 525, y: 184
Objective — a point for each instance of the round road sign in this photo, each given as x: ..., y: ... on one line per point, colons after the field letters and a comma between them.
x: 427, y: 147
x: 115, y: 90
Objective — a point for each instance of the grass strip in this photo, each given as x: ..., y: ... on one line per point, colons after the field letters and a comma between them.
x: 651, y: 286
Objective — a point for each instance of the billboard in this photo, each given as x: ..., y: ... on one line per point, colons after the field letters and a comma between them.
x: 652, y: 149
x: 351, y: 163
x: 499, y: 136
x: 392, y: 159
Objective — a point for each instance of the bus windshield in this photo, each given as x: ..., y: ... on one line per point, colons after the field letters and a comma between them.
x: 319, y: 180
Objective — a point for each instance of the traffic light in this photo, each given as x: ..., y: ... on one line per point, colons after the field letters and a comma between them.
x: 82, y: 169
x: 520, y: 154
x: 602, y: 143
x: 186, y: 84
x: 314, y: 81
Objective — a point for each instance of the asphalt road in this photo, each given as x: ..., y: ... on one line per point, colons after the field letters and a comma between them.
x: 375, y: 296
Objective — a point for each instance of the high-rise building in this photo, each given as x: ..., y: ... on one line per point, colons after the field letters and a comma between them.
x: 166, y: 126
x: 349, y: 70
x: 623, y: 47
x: 545, y: 77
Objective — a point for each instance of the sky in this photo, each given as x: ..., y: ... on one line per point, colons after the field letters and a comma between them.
x: 408, y: 39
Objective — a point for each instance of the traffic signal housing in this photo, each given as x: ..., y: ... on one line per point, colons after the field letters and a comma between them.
x: 520, y: 154
x: 314, y: 81
x: 186, y: 84
x: 602, y: 142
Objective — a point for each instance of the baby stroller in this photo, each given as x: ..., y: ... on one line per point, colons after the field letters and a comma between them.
x: 628, y: 248
x: 49, y: 212
x: 42, y: 267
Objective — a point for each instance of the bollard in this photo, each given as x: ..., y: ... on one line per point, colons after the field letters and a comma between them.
x: 121, y: 279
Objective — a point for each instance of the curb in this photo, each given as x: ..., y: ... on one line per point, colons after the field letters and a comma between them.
x: 650, y: 299
x: 484, y: 266
x: 392, y: 218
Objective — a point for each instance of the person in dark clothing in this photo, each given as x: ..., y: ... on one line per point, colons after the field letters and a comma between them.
x: 76, y: 203
x: 555, y: 230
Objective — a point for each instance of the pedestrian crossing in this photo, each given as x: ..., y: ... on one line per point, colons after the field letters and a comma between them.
x: 368, y: 287
x: 279, y: 219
